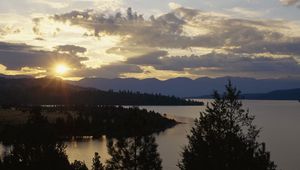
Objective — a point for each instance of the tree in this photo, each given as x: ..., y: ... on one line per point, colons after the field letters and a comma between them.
x: 137, y: 153
x: 36, y: 147
x: 78, y: 165
x: 224, y: 138
x: 97, y: 165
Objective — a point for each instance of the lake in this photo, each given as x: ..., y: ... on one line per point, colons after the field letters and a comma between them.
x: 279, y: 120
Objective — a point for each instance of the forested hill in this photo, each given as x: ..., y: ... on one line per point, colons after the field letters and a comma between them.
x: 287, y: 94
x: 284, y: 94
x: 54, y: 91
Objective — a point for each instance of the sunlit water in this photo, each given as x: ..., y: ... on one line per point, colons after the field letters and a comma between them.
x: 279, y: 120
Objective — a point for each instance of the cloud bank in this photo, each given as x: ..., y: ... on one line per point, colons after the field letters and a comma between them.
x: 184, y: 41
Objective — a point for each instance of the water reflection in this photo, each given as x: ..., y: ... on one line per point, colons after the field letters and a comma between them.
x: 84, y: 149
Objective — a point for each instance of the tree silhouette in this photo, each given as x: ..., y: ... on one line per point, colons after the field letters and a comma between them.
x: 97, y: 165
x: 137, y: 153
x: 36, y: 148
x: 224, y: 138
x: 78, y: 165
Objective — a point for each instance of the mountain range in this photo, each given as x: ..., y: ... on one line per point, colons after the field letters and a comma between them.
x: 185, y: 87
x: 55, y: 91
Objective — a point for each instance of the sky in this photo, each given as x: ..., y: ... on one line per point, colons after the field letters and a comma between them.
x: 141, y: 39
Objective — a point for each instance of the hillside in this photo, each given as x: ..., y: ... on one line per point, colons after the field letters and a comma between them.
x: 53, y: 91
x: 290, y: 94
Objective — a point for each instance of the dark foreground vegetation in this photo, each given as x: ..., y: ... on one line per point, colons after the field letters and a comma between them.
x: 54, y: 91
x: 37, y: 145
x: 138, y: 153
x: 223, y: 138
x: 43, y: 150
x: 77, y: 121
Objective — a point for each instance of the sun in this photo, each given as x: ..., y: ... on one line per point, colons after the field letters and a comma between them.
x: 61, y: 69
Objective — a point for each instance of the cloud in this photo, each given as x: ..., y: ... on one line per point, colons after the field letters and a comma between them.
x: 6, y: 30
x: 135, y: 51
x: 168, y: 30
x: 290, y: 47
x: 237, y: 46
x: 36, y: 26
x: 289, y: 2
x: 152, y: 32
x: 258, y: 67
x: 25, y: 59
x: 16, y: 56
x: 108, y: 5
x: 173, y: 5
x: 152, y: 58
x: 52, y: 4
x: 113, y: 70
x: 245, y: 12
x: 71, y: 49
x: 220, y: 63
x: 234, y: 45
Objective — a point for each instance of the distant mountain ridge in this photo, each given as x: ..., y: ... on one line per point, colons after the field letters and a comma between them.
x: 14, y: 76
x: 54, y: 91
x: 185, y: 87
x: 289, y: 94
x: 285, y: 94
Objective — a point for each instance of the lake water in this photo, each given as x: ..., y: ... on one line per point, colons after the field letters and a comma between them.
x: 279, y: 120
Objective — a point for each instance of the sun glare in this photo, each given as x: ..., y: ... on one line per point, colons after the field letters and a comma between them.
x: 61, y: 69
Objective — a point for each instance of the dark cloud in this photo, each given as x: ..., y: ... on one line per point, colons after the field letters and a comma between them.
x: 259, y: 67
x: 290, y: 47
x: 216, y: 62
x: 113, y: 70
x: 15, y: 56
x: 152, y: 58
x: 40, y: 39
x: 71, y: 49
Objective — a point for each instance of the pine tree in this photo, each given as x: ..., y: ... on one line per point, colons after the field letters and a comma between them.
x: 78, y: 165
x: 137, y: 153
x: 224, y: 138
x: 97, y: 165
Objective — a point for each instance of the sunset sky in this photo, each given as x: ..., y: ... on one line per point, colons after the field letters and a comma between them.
x: 153, y: 39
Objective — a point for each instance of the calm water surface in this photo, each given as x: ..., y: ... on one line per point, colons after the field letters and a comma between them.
x: 279, y: 120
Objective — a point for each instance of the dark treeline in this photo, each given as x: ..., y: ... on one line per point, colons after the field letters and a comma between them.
x: 78, y: 121
x: 53, y: 91
x: 43, y: 150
